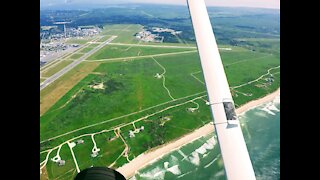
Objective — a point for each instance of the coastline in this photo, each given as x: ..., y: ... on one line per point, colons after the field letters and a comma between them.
x: 129, y: 169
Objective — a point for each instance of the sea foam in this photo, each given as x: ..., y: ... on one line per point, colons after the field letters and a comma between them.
x: 201, y: 150
x: 273, y: 108
x: 277, y: 100
x: 174, y: 170
x: 195, y: 159
x: 156, y: 173
x: 173, y: 160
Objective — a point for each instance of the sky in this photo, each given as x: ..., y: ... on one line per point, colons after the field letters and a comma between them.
x: 274, y: 4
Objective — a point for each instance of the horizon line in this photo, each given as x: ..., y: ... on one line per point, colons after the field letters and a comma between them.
x: 167, y: 4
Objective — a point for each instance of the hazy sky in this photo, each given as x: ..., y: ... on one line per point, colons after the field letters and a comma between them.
x: 275, y: 4
x: 246, y: 3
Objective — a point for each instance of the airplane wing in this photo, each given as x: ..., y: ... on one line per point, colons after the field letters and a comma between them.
x: 234, y: 152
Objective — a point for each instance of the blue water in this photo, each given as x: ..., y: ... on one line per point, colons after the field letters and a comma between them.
x: 201, y: 159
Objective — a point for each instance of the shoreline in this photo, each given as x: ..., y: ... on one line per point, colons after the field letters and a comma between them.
x: 128, y: 170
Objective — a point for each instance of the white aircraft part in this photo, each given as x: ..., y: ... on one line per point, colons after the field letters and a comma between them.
x: 234, y: 152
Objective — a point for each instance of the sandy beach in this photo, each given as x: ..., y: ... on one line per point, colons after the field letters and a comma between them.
x: 129, y: 169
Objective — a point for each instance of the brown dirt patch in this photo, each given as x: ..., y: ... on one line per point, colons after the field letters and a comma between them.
x: 52, y: 93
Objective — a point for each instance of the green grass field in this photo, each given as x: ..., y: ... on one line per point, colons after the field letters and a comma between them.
x: 76, y: 56
x: 52, y: 93
x: 117, y: 51
x: 106, y: 37
x: 132, y: 87
x: 125, y: 32
x: 266, y: 45
x: 67, y: 171
x: 85, y: 50
x: 88, y: 48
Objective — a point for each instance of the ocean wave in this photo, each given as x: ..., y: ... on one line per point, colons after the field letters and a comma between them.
x: 166, y: 165
x: 206, y: 146
x: 173, y: 160
x: 267, y: 110
x: 201, y: 150
x: 174, y: 170
x: 273, y: 108
x: 156, y: 174
x: 277, y: 100
x: 212, y: 141
x: 195, y: 159
x: 182, y: 154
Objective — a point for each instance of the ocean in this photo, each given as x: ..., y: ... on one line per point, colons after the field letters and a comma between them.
x: 201, y: 159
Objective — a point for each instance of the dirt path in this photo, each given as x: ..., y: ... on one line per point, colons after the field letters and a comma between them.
x: 164, y: 78
x: 250, y: 82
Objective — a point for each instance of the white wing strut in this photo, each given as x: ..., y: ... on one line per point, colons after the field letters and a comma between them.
x: 234, y: 152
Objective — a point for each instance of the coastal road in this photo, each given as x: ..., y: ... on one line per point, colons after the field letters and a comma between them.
x: 74, y: 64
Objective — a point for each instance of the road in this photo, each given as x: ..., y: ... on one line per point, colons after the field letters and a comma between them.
x: 44, y: 163
x: 157, y: 46
x: 140, y: 57
x: 74, y: 64
x: 164, y: 46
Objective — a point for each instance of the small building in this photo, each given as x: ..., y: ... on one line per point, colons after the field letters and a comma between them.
x: 167, y: 118
x: 80, y: 141
x: 192, y: 109
x: 131, y: 134
x: 142, y: 128
x: 61, y: 162
x: 158, y: 76
x: 94, y: 154
x: 270, y: 79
